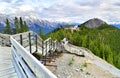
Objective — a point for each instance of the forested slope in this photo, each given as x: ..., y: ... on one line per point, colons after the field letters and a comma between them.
x: 103, y: 41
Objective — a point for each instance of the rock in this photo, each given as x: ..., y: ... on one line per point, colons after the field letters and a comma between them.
x: 89, y: 62
x: 77, y: 70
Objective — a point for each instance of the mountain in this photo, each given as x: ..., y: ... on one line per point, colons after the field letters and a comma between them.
x: 34, y: 23
x: 94, y: 23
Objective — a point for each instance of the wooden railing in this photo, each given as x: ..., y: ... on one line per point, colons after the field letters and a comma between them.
x: 4, y: 40
x: 26, y: 65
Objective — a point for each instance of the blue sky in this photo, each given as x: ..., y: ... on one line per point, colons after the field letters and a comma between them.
x: 64, y: 10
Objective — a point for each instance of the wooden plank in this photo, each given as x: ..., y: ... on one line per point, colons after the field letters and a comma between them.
x: 7, y: 69
x: 11, y: 75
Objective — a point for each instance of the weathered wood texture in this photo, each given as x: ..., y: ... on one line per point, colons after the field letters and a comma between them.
x: 4, y: 40
x: 7, y: 69
x: 24, y: 59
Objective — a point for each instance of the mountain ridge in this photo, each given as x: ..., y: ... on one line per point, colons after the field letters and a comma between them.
x: 34, y: 23
x: 94, y: 23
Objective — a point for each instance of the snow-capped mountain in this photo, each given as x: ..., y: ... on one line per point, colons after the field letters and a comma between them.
x: 34, y: 23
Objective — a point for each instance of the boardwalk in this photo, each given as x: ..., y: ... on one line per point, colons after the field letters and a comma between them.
x: 7, y: 69
x: 18, y: 61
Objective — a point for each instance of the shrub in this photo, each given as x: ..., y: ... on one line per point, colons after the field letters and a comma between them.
x: 85, y: 64
x: 71, y: 61
x: 87, y: 73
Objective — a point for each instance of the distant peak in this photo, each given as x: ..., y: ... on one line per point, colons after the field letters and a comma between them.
x: 94, y: 23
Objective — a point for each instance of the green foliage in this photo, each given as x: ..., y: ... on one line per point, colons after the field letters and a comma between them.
x: 87, y: 73
x: 103, y: 42
x: 7, y: 27
x: 85, y: 64
x: 25, y: 27
x: 81, y: 69
x: 71, y: 61
x: 41, y: 33
x: 20, y: 26
x: 106, y: 26
x: 16, y: 23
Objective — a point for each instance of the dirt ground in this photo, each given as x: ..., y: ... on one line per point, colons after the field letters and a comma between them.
x: 72, y: 66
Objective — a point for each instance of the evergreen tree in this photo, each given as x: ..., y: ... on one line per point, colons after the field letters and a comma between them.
x: 25, y: 27
x: 109, y: 55
x: 16, y: 23
x: 102, y: 50
x: 41, y: 33
x: 7, y: 28
x: 21, y: 25
x: 84, y: 41
x: 118, y: 61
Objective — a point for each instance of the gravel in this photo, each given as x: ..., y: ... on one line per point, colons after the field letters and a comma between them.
x: 77, y: 69
x: 74, y: 66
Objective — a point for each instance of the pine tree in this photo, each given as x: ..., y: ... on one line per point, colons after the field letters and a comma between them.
x: 21, y: 25
x: 41, y: 33
x: 109, y: 54
x: 118, y: 61
x: 16, y: 23
x: 102, y: 50
x: 25, y: 27
x: 7, y: 28
x: 84, y: 41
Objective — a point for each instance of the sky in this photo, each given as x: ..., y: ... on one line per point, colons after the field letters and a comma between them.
x: 64, y: 10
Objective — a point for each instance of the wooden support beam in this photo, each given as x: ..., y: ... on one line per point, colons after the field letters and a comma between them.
x: 52, y: 60
x: 36, y: 43
x: 21, y: 40
x: 51, y: 65
x: 46, y: 51
x: 30, y: 43
x: 42, y: 47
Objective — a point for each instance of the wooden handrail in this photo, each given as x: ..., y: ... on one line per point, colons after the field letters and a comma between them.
x: 35, y: 67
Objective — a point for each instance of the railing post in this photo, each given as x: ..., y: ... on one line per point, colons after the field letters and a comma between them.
x: 2, y: 42
x: 42, y: 47
x: 21, y: 41
x: 49, y: 44
x: 53, y: 45
x: 36, y: 43
x: 56, y: 44
x: 30, y: 42
x: 46, y: 52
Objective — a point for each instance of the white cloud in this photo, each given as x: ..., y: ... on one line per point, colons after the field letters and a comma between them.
x: 72, y: 10
x: 25, y: 8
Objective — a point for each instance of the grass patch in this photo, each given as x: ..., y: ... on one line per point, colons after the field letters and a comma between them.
x: 71, y: 61
x: 87, y: 73
x: 81, y: 69
x: 85, y: 64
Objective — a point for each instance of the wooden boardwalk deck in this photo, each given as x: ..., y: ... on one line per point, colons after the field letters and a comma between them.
x: 7, y: 69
